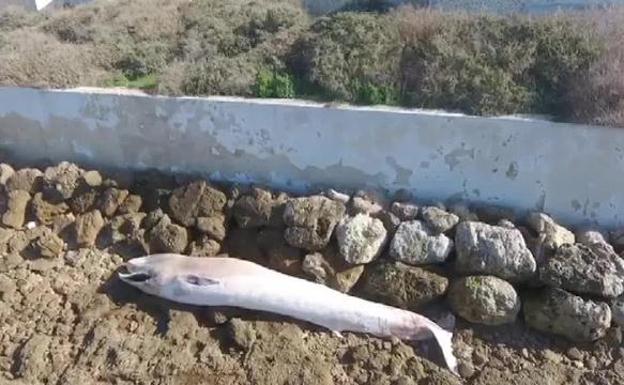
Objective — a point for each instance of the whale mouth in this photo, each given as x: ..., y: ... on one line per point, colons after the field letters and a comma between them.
x: 135, y: 277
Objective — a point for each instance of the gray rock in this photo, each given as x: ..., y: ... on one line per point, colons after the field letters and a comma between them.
x: 84, y: 199
x: 493, y: 250
x: 559, y: 312
x: 492, y: 214
x: 167, y: 237
x: 63, y: 178
x: 88, y: 227
x: 328, y: 268
x: 48, y: 245
x: 122, y: 228
x: 27, y: 179
x: 15, y: 213
x: 438, y: 220
x: 506, y: 224
x: 402, y: 285
x: 311, y: 221
x: 258, y: 209
x: 414, y: 243
x: 550, y: 236
x: 589, y: 237
x: 46, y: 212
x: 405, y: 211
x: 111, y: 199
x: 204, y: 246
x: 484, y: 299
x: 338, y: 196
x: 6, y: 171
x: 196, y: 199
x: 213, y: 226
x: 360, y: 238
x: 92, y: 178
x: 360, y: 205
x: 617, y: 311
x: 390, y: 221
x: 584, y: 269
x: 462, y: 210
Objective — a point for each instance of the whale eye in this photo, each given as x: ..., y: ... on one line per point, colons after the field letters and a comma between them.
x: 200, y: 281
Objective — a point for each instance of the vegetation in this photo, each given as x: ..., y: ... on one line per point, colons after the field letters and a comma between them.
x: 569, y: 66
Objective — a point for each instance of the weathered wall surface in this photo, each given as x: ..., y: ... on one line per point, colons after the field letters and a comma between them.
x: 570, y: 171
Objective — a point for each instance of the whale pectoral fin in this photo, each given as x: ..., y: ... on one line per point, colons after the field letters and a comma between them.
x: 198, y: 280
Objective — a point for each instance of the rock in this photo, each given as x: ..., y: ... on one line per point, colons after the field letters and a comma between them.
x: 493, y: 250
x: 401, y: 285
x: 328, y: 268
x: 492, y: 214
x: 15, y: 213
x: 550, y: 236
x: 92, y: 178
x: 360, y: 238
x: 390, y: 221
x: 196, y: 199
x: 438, y: 220
x: 122, y: 228
x: 338, y: 196
x: 466, y: 369
x: 111, y: 199
x: 63, y: 179
x: 559, y: 312
x: 405, y: 211
x: 311, y: 221
x: 507, y: 224
x: 462, y: 210
x: 484, y: 299
x: 243, y: 243
x: 361, y: 205
x: 258, y: 209
x: 84, y: 199
x: 26, y: 179
x: 584, y: 269
x: 413, y: 243
x: 241, y: 333
x: 204, y: 247
x: 213, y: 226
x: 167, y: 237
x: 48, y: 245
x: 6, y: 171
x: 617, y: 311
x: 589, y: 237
x: 280, y: 256
x: 152, y: 218
x: 132, y: 204
x: 32, y: 362
x: 46, y: 212
x: 88, y: 227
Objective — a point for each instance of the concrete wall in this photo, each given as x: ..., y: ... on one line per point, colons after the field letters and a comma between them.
x: 571, y: 171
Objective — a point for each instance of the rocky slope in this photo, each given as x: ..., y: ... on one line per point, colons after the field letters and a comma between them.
x: 527, y: 297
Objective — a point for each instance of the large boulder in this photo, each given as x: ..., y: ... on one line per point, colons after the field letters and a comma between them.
x: 194, y: 200
x: 438, y: 220
x: 559, y: 312
x: 484, y: 299
x: 402, y: 285
x: 493, y: 250
x: 360, y: 238
x: 414, y: 243
x: 595, y: 269
x: 311, y: 221
x: 550, y: 236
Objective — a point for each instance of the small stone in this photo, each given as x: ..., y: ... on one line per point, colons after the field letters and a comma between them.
x: 311, y: 221
x: 463, y: 212
x: 361, y: 205
x: 492, y: 214
x: 32, y: 361
x: 551, y: 356
x: 574, y: 354
x: 84, y: 199
x: 88, y: 227
x: 204, y: 247
x: 584, y: 269
x: 6, y: 171
x: 438, y: 220
x: 506, y: 224
x: 402, y: 285
x: 48, y: 245
x: 213, y: 226
x: 617, y: 311
x: 258, y: 209
x: 465, y: 369
x: 111, y: 199
x: 405, y: 211
x: 485, y: 300
x: 390, y: 221
x: 589, y: 237
x: 591, y: 363
x: 167, y: 237
x: 16, y: 203
x: 63, y: 179
x: 132, y: 204
x: 493, y: 250
x: 241, y: 333
x: 92, y: 178
x: 328, y: 268
x: 338, y: 196
x: 559, y: 312
x: 550, y: 236
x: 26, y: 179
x: 196, y: 199
x: 46, y: 212
x: 360, y: 238
x: 413, y: 243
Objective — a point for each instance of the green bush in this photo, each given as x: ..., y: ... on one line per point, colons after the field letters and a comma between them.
x: 345, y: 51
x: 270, y: 84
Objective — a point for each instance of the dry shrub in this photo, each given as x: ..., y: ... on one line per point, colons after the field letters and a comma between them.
x: 597, y: 96
x: 31, y: 58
